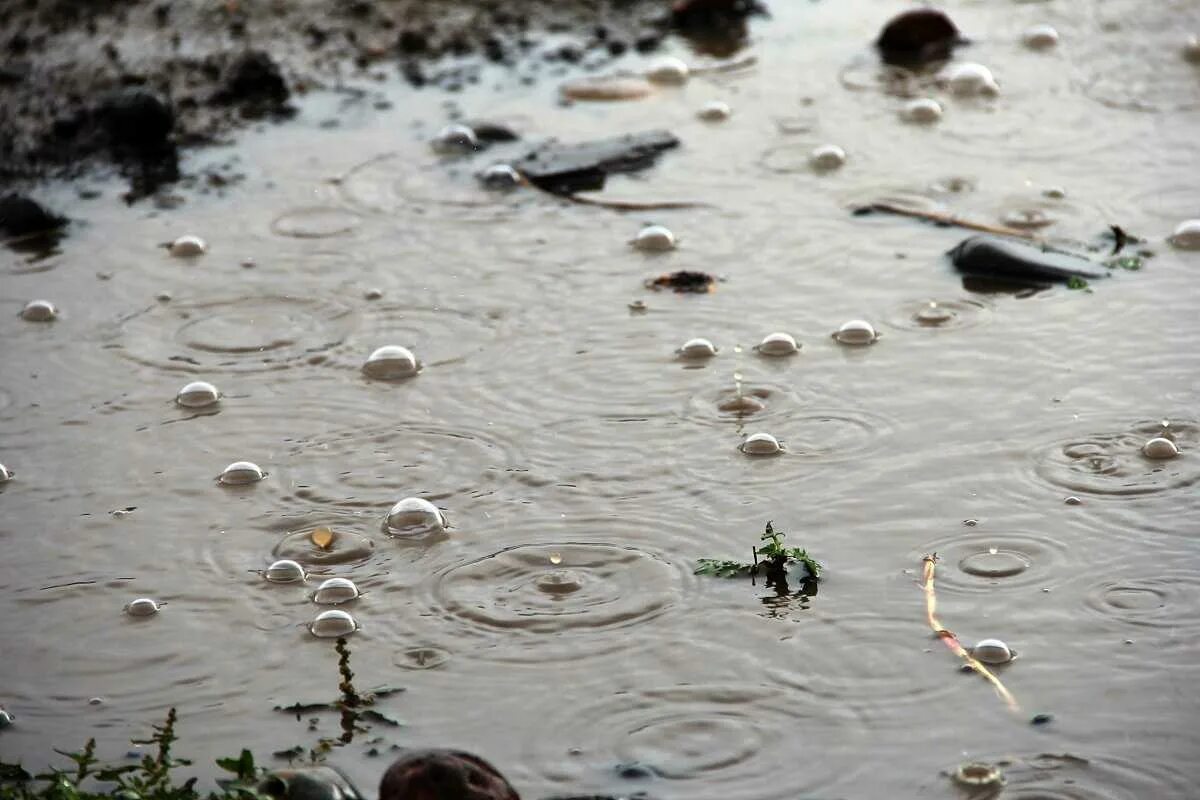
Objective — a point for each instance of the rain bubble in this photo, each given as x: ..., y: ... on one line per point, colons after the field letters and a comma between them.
x: 556, y: 558
x: 922, y: 110
x: 335, y: 591
x: 373, y: 293
x: 1191, y: 49
x: 1040, y: 37
x: 669, y: 70
x: 332, y: 624
x: 560, y: 581
x: 827, y: 157
x: 240, y: 473
x: 778, y: 344
x: 994, y: 564
x: 697, y: 348
x: 391, y: 362
x: 142, y: 607
x: 970, y: 79
x: 934, y: 314
x: 415, y: 515
x: 1160, y: 448
x: 742, y: 404
x: 6, y: 474
x: 39, y: 311
x: 285, y: 571
x: 714, y: 111
x: 1073, y: 501
x: 992, y: 651
x: 198, y: 394
x: 1187, y: 235
x: 761, y: 444
x: 500, y: 176
x: 654, y: 239
x: 856, y: 332
x: 188, y: 247
x: 455, y: 139
x: 6, y: 719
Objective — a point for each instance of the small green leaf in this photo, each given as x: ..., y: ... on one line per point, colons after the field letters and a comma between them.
x: 1076, y: 282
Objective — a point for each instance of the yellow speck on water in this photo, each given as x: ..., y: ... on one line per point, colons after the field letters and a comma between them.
x: 322, y: 537
x: 556, y: 558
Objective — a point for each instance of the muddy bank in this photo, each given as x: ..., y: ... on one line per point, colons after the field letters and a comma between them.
x: 130, y: 83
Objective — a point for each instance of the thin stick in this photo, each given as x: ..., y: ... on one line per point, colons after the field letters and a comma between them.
x: 620, y: 205
x: 951, y: 640
x: 941, y: 218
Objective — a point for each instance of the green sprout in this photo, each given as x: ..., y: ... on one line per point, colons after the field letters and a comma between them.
x: 770, y: 558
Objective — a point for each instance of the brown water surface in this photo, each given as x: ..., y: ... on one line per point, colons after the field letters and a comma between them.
x: 556, y: 627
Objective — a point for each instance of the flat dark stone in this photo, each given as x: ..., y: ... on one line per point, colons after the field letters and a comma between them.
x: 1013, y: 262
x: 23, y: 216
x: 918, y: 36
x: 583, y: 166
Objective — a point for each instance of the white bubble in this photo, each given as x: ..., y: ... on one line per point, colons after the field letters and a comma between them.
x: 969, y: 79
x: 761, y: 444
x: 827, y: 157
x: 668, y: 70
x: 856, y: 332
x: 6, y: 474
x: 373, y: 294
x: 455, y: 139
x: 697, y: 348
x: 198, y: 394
x: 992, y: 651
x: 142, y: 607
x: 1191, y: 49
x: 778, y: 344
x: 285, y: 571
x: 714, y: 111
x: 1160, y: 448
x: 415, y: 515
x: 332, y: 624
x: 240, y: 473
x: 392, y: 362
x: 1040, y: 37
x: 655, y: 239
x: 6, y: 719
x: 923, y: 110
x: 188, y: 247
x: 1187, y: 235
x: 500, y: 176
x: 335, y: 591
x: 39, y: 311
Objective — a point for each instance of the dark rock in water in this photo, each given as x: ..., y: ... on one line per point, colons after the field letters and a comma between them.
x: 253, y: 79
x: 23, y: 216
x: 444, y: 775
x: 918, y: 36
x: 135, y: 119
x: 492, y: 132
x: 309, y: 783
x: 1012, y: 262
x: 684, y: 281
x: 569, y: 168
x: 714, y: 27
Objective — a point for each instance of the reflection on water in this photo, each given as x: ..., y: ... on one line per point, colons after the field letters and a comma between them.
x: 585, y: 467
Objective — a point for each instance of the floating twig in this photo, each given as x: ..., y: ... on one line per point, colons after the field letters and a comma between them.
x: 942, y: 218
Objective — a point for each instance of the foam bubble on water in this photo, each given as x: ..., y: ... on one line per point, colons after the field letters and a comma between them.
x: 333, y: 624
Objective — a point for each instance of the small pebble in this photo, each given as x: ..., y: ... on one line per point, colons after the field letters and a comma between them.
x: 455, y: 139
x: 856, y: 332
x: 1191, y: 49
x: 1040, y: 37
x: 1041, y: 719
x: 668, y: 70
x: 761, y: 444
x: 6, y: 474
x: 923, y: 110
x: 1187, y: 235
x: 697, y: 348
x: 391, y: 362
x: 1055, y: 193
x: 500, y: 177
x: 163, y: 297
x: 1160, y: 448
x: 714, y: 111
x: 39, y: 311
x: 415, y: 515
x: 1073, y: 501
x: 240, y: 473
x: 142, y: 607
x: 373, y: 294
x: 198, y: 394
x: 970, y: 79
x: 188, y: 247
x: 778, y: 344
x: 827, y: 157
x: 332, y: 624
x: 285, y: 571
x: 654, y: 239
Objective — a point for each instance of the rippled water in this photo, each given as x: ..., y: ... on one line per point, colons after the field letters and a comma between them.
x: 556, y: 626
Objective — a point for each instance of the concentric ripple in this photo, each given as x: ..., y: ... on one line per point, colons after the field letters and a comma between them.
x: 1111, y: 462
x: 1168, y: 600
x: 235, y: 334
x: 436, y: 335
x: 1067, y: 776
x: 937, y: 314
x: 752, y: 402
x: 703, y: 740
x: 315, y: 222
x: 1001, y: 561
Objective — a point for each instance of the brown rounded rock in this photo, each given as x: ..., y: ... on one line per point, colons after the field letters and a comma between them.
x: 918, y: 36
x: 443, y: 775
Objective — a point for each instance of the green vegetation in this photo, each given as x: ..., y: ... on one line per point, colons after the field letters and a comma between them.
x: 774, y: 561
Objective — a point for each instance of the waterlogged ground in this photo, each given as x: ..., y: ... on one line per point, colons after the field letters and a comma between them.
x: 559, y: 432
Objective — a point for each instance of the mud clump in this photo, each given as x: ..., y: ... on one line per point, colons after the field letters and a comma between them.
x: 254, y: 82
x: 918, y: 36
x: 23, y: 216
x: 684, y: 281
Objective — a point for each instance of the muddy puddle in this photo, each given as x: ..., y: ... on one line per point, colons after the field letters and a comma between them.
x: 555, y: 626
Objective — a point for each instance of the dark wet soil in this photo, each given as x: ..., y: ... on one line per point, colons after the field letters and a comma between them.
x: 130, y: 82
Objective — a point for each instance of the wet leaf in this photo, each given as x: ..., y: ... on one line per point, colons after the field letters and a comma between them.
x: 322, y: 537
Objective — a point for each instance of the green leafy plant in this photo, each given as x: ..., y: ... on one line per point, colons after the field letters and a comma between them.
x: 771, y: 558
x: 1076, y: 282
x: 1131, y: 263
